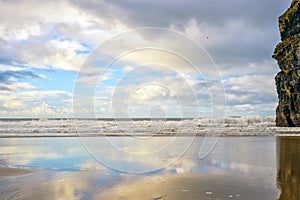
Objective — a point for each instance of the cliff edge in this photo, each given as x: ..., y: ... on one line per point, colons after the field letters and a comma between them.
x: 287, y: 54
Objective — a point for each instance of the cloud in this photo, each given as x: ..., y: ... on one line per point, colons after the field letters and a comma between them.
x: 236, y: 29
x: 15, y: 86
x: 239, y: 35
x: 11, y: 78
x: 59, y: 54
x: 136, y: 93
x: 47, y: 34
x: 250, y: 91
x: 8, y: 76
x: 34, y: 103
x: 21, y: 20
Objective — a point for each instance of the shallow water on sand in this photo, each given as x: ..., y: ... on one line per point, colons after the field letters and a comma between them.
x: 83, y: 168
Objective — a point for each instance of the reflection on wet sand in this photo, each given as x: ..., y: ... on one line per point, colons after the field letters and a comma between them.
x: 289, y: 168
x: 238, y: 167
x: 50, y: 185
x: 6, y: 171
x: 190, y: 186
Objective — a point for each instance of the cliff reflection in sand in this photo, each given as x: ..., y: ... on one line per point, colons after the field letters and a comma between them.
x: 289, y: 168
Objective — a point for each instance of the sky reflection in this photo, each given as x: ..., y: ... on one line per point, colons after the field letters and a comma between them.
x: 63, y: 161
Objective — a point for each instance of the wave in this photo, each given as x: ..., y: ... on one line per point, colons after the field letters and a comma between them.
x: 229, y: 126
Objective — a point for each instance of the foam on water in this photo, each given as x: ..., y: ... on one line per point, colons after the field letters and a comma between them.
x: 230, y: 126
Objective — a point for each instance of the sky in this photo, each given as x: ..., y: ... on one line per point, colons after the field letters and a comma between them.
x: 125, y: 58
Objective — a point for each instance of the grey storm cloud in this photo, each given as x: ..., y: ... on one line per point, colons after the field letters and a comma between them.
x: 164, y: 13
x: 248, y: 28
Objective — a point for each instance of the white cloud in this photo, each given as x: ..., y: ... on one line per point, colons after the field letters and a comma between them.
x: 16, y: 86
x: 252, y: 84
x: 4, y: 68
x: 244, y: 107
x: 42, y: 34
x: 34, y: 103
x: 255, y: 94
x: 60, y: 54
x: 12, y: 104
x: 21, y: 20
x: 58, y: 35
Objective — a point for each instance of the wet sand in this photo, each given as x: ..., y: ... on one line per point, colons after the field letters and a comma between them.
x: 6, y: 171
x: 159, y: 187
x: 190, y: 186
x: 237, y: 168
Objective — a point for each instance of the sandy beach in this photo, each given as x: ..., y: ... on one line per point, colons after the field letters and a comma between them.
x: 189, y: 186
x: 158, y: 187
x: 61, y: 168
x: 6, y: 171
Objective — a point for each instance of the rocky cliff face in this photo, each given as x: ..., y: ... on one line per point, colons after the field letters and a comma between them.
x: 287, y: 54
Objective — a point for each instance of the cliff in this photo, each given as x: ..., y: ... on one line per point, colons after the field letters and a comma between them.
x: 287, y: 54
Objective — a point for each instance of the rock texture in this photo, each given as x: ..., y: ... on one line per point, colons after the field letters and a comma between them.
x: 287, y: 54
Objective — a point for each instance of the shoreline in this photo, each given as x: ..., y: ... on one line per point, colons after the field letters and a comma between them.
x: 204, y: 134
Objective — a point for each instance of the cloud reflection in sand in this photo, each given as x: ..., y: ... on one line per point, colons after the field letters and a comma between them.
x: 63, y: 168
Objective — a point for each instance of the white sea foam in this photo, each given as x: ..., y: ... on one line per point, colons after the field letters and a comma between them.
x: 230, y: 126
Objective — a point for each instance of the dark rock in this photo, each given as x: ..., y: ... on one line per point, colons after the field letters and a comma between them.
x: 287, y: 54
